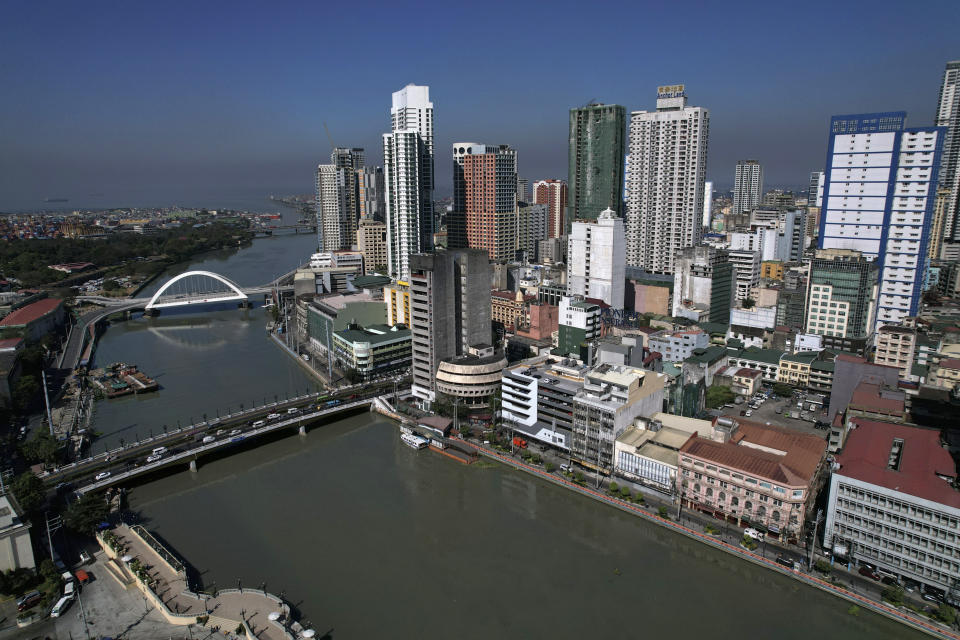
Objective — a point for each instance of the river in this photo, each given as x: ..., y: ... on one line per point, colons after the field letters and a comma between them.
x: 371, y: 539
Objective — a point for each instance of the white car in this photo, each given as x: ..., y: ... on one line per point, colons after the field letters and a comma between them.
x: 154, y: 458
x: 209, y: 439
x: 273, y: 416
x: 103, y: 475
x: 292, y: 410
x: 748, y: 413
x: 236, y: 432
x: 753, y: 533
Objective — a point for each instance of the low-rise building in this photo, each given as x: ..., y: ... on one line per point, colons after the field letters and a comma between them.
x: 16, y: 549
x: 34, y: 321
x: 896, y: 347
x: 752, y: 474
x: 677, y: 346
x: 647, y: 452
x: 767, y: 361
x: 893, y: 504
x: 511, y: 310
x: 794, y: 368
x: 703, y: 364
x: 742, y: 381
x: 611, y: 398
x: 372, y: 351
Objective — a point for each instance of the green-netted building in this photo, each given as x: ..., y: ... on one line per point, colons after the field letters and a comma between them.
x: 596, y: 154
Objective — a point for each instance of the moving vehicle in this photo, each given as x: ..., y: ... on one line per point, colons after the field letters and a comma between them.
x: 929, y: 597
x: 273, y: 416
x: 236, y: 432
x: 209, y: 439
x: 292, y: 410
x: 103, y: 475
x: 154, y: 458
x: 753, y: 533
x: 787, y: 562
x: 565, y: 468
x: 748, y: 412
x: 255, y: 425
x: 159, y: 451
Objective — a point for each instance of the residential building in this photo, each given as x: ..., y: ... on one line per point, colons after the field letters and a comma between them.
x: 330, y: 214
x: 707, y: 203
x: 16, y: 549
x: 397, y: 297
x: 450, y: 311
x: 747, y: 186
x: 742, y: 381
x: 372, y: 244
x: 795, y: 368
x: 372, y: 351
x: 758, y: 475
x: 611, y: 398
x: 595, y: 255
x: 409, y: 177
x: 596, y: 148
x: 704, y: 276
x: 543, y: 320
x: 485, y: 193
x: 841, y: 298
x: 552, y: 193
x: 523, y: 190
x: 878, y: 197
x: 948, y: 179
x: 666, y: 170
x: 648, y: 451
x: 746, y: 265
x: 703, y: 364
x: 579, y: 323
x: 677, y: 346
x: 531, y: 229
x: 896, y: 347
x: 893, y: 505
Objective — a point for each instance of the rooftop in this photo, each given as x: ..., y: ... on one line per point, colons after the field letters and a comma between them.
x: 874, y: 397
x: 870, y: 446
x: 374, y: 333
x: 781, y: 455
x: 339, y: 301
x: 370, y: 281
x: 770, y: 356
x: 10, y: 344
x: 946, y: 363
x: 31, y: 312
x: 707, y: 355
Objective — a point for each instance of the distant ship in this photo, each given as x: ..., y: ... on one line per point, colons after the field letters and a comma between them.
x: 56, y: 200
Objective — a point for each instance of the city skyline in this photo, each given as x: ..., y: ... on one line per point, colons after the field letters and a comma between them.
x: 127, y: 100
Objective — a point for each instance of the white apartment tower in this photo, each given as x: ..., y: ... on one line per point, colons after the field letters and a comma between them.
x: 595, y: 256
x: 948, y: 115
x: 878, y: 195
x: 747, y: 186
x: 409, y: 177
x: 666, y: 170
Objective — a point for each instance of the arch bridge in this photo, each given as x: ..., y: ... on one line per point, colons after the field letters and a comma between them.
x: 195, y: 287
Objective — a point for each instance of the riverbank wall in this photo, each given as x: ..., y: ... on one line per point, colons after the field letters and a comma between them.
x: 306, y: 366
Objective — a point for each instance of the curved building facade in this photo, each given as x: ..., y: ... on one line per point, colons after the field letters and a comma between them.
x: 473, y: 378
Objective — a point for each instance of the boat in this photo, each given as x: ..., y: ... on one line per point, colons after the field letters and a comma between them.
x: 414, y: 442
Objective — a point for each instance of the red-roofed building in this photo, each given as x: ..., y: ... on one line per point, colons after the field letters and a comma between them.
x: 892, y: 503
x: 511, y: 309
x: 753, y: 474
x: 34, y: 321
x: 11, y: 344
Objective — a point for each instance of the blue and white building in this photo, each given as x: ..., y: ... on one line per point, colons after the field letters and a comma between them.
x: 878, y: 196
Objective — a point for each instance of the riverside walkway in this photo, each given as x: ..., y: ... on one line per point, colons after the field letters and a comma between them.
x: 163, y: 581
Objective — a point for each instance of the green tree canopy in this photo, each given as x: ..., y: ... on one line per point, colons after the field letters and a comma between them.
x: 718, y: 395
x: 41, y: 447
x: 29, y: 492
x: 85, y: 514
x: 782, y: 389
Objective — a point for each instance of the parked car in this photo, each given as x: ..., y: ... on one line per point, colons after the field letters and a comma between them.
x: 870, y: 573
x: 103, y: 475
x: 753, y: 533
x: 929, y: 597
x: 62, y: 605
x: 748, y: 412
x: 28, y: 600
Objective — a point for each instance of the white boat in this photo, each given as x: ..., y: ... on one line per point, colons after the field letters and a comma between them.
x: 415, y: 442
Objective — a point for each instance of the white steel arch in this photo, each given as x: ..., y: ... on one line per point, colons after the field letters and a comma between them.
x: 217, y: 297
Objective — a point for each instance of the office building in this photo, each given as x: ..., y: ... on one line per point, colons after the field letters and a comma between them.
x: 595, y: 161
x: 677, y: 346
x: 648, y: 452
x: 892, y: 504
x: 948, y: 116
x: 531, y: 229
x: 371, y: 194
x: 666, y: 169
x: 372, y: 351
x: 538, y: 399
x: 815, y: 190
x: 409, y: 177
x: 878, y: 199
x: 485, y: 190
x: 762, y: 476
x: 704, y: 279
x: 372, y: 244
x: 595, y: 254
x: 552, y: 193
x: 841, y: 299
x: 747, y: 186
x: 450, y: 311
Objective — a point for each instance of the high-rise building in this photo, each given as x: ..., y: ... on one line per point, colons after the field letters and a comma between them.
x: 704, y: 278
x: 841, y: 298
x: 878, y: 198
x: 531, y: 229
x: 595, y: 251
x: 371, y: 198
x: 333, y: 222
x: 347, y: 158
x: 666, y: 171
x: 707, y: 203
x: 815, y: 190
x: 595, y: 161
x: 552, y: 193
x: 485, y: 190
x: 409, y: 177
x: 523, y: 190
x: 450, y: 311
x: 372, y: 243
x: 747, y: 186
x: 746, y: 267
x: 948, y: 115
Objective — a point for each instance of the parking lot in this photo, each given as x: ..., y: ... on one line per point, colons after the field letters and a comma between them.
x: 767, y: 414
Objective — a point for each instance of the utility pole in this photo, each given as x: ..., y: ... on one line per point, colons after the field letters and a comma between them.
x: 52, y: 525
x: 46, y: 397
x: 813, y: 541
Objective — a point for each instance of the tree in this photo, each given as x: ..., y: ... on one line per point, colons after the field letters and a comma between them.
x: 83, y: 515
x: 749, y: 303
x: 41, y: 447
x: 782, y: 390
x: 29, y: 492
x: 110, y: 285
x: 613, y: 488
x: 893, y: 595
x: 25, y: 391
x: 662, y: 512
x: 718, y: 395
x: 625, y: 492
x: 946, y: 614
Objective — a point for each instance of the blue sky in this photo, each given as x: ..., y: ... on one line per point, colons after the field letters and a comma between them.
x: 101, y: 96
